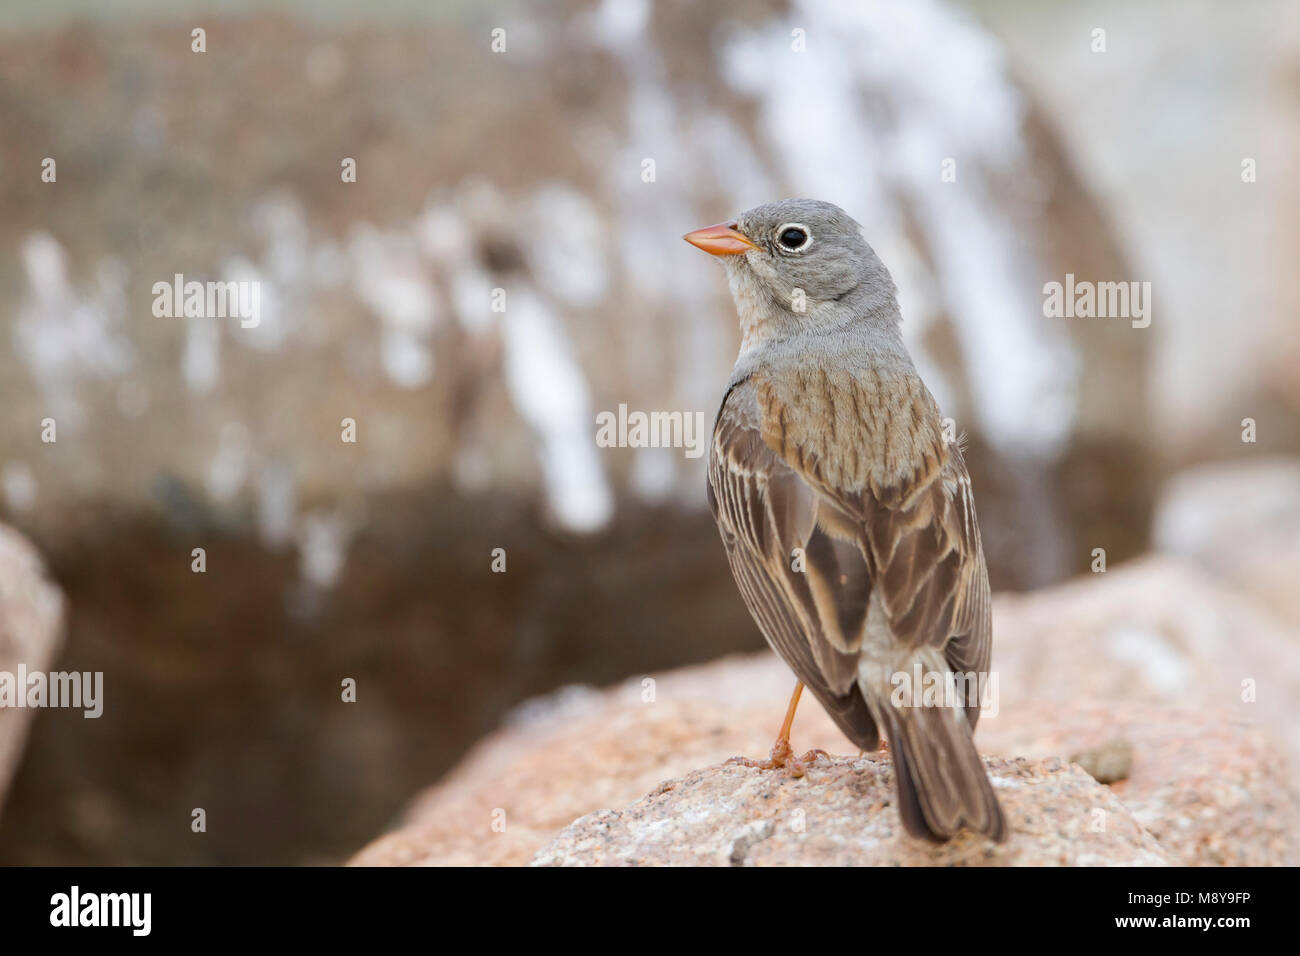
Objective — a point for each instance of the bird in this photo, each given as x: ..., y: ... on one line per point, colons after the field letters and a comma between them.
x: 847, y: 517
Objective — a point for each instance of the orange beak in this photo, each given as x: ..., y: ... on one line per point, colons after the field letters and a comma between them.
x: 720, y: 240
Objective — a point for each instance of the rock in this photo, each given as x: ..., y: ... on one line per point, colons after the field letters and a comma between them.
x: 841, y: 814
x: 397, y: 269
x: 1210, y: 786
x: 475, y: 427
x: 1109, y: 763
x: 1240, y: 520
x: 31, y: 632
x: 1196, y: 775
x: 1158, y: 630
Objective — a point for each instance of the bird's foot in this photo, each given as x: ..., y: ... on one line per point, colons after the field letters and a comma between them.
x: 783, y: 758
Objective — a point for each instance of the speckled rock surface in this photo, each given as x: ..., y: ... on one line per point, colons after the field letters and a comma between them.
x: 31, y: 629
x: 841, y: 814
x: 1148, y: 658
x: 1212, y: 788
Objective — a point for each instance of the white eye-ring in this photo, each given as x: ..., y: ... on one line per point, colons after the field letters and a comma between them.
x: 793, y: 237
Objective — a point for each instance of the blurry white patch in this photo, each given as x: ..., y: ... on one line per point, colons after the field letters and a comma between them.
x: 201, y: 359
x: 619, y: 24
x: 471, y: 471
x: 272, y: 326
x: 1159, y: 662
x: 47, y: 271
x: 329, y: 266
x: 563, y: 704
x: 277, y: 504
x: 1213, y: 510
x: 229, y: 466
x: 959, y: 104
x: 548, y: 390
x: 61, y: 335
x: 388, y: 276
x: 654, y: 474
x: 280, y: 220
x: 471, y: 297
x: 407, y: 360
x: 19, y: 486
x: 567, y: 246
x: 322, y: 548
x: 1027, y: 375
x: 813, y: 118
x: 444, y: 236
x: 921, y: 308
x: 735, y: 165
x: 656, y: 129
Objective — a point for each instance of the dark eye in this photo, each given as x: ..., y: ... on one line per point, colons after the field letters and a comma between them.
x: 793, y: 237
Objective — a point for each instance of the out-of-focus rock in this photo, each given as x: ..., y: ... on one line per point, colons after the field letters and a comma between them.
x: 1109, y: 762
x: 1158, y: 630
x: 379, y: 298
x: 1216, y: 232
x: 506, y: 264
x: 842, y: 814
x: 1240, y: 520
x: 31, y: 631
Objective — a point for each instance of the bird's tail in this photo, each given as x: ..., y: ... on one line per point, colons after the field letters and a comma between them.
x: 942, y: 783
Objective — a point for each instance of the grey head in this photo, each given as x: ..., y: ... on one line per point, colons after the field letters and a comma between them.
x: 801, y: 266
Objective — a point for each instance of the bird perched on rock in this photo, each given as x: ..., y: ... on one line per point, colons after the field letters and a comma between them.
x: 847, y: 518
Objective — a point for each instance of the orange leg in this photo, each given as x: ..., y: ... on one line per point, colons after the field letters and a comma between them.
x: 782, y: 755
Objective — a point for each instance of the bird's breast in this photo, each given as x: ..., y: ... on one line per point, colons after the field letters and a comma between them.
x: 873, y: 430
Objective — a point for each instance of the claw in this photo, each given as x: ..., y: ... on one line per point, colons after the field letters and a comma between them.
x: 782, y: 756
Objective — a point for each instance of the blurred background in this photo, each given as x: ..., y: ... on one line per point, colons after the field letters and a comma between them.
x: 563, y: 169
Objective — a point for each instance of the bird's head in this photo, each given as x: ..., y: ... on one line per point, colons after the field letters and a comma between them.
x: 799, y: 264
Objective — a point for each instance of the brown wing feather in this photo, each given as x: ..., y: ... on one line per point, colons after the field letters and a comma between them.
x: 765, y: 511
x: 872, y: 443
x: 931, y: 578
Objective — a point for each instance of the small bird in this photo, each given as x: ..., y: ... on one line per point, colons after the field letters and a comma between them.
x: 848, y: 520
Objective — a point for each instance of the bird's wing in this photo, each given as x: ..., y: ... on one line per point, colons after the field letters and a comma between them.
x: 872, y: 443
x: 930, y: 575
x: 806, y: 587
